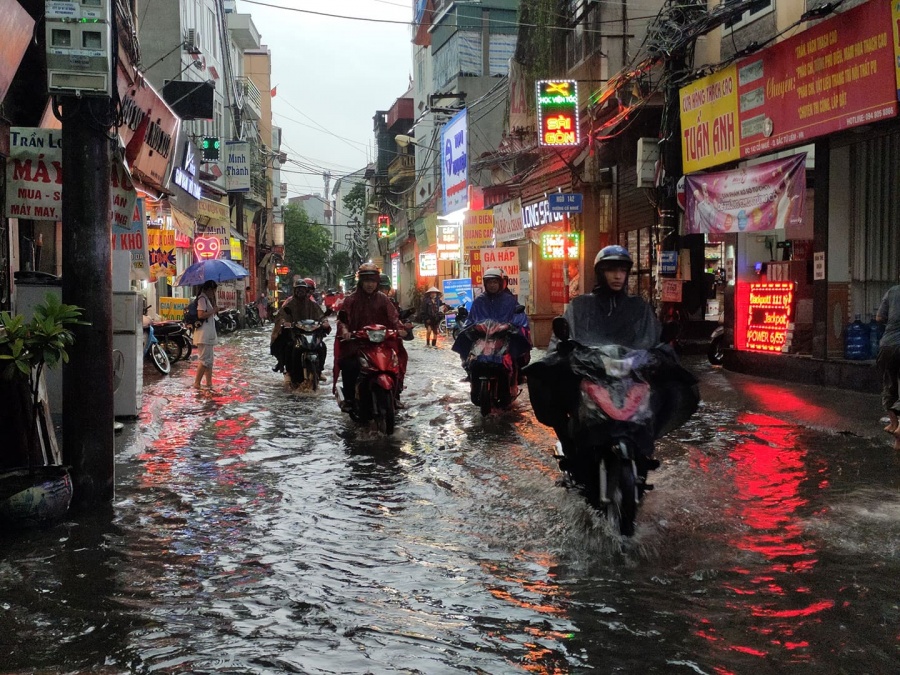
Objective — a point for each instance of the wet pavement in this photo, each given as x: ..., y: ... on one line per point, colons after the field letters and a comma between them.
x: 258, y: 531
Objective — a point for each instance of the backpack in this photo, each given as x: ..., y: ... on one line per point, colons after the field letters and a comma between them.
x: 190, y: 314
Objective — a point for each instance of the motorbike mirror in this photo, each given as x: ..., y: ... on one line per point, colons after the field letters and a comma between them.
x: 561, y: 328
x: 520, y: 309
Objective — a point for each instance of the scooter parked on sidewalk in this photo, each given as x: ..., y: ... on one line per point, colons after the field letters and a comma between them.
x: 154, y: 352
x: 174, y: 338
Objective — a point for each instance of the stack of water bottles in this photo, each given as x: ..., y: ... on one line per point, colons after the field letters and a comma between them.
x: 857, y: 341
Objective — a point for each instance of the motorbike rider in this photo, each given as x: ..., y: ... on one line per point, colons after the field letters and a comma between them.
x: 362, y: 308
x: 384, y: 286
x: 497, y: 303
x: 298, y: 307
x: 609, y: 316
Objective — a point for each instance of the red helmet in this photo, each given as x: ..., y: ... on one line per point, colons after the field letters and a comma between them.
x: 310, y: 283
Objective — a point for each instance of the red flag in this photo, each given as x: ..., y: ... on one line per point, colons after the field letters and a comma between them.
x: 274, y: 89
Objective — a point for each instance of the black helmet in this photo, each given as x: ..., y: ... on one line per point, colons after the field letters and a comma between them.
x: 384, y: 281
x: 301, y: 283
x: 613, y: 254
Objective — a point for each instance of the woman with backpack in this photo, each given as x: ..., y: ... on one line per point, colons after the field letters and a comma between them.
x: 205, y: 333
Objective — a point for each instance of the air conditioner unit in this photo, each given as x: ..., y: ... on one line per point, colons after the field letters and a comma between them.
x: 192, y: 41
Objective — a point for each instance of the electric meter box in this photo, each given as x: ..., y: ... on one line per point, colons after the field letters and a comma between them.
x: 79, y: 47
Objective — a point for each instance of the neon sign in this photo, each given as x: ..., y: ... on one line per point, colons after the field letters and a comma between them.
x: 206, y: 247
x: 384, y: 226
x: 770, y: 308
x: 552, y: 246
x: 557, y: 107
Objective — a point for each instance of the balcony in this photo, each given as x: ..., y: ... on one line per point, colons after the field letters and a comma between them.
x: 243, y: 32
x: 402, y: 171
x: 252, y: 97
x: 400, y: 117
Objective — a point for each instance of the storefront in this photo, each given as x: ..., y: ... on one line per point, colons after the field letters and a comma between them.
x: 804, y: 141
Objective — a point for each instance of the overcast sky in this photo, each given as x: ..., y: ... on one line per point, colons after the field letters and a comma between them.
x: 332, y: 74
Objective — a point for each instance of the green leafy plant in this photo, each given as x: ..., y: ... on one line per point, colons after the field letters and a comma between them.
x: 27, y: 347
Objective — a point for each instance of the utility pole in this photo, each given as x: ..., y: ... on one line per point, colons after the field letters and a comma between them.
x: 88, y: 415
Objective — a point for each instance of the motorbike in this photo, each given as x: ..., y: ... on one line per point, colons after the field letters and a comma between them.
x: 459, y: 317
x: 303, y: 365
x: 154, y: 352
x: 174, y: 338
x: 493, y: 372
x: 608, y: 404
x: 252, y: 319
x: 378, y: 383
x: 226, y: 321
x: 716, y: 350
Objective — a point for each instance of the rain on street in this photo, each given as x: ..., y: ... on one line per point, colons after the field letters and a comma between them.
x: 258, y: 531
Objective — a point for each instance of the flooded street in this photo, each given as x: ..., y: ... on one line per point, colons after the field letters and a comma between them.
x: 255, y: 531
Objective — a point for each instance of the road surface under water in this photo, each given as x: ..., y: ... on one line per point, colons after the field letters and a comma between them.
x: 256, y: 531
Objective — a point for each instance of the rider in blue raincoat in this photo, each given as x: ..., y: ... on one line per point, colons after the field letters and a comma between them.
x: 497, y: 304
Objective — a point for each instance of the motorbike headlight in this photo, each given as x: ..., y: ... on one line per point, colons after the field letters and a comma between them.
x: 376, y: 336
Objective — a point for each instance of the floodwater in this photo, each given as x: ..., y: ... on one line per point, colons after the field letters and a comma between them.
x: 255, y: 531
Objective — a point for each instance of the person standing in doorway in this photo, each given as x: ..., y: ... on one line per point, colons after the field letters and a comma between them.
x: 205, y: 334
x: 574, y: 280
x: 888, y: 359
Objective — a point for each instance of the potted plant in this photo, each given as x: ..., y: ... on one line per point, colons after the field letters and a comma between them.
x: 34, y: 487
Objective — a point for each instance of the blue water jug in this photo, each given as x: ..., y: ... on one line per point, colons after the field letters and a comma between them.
x: 856, y: 341
x: 876, y: 330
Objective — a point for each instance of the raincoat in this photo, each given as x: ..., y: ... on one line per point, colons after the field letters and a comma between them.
x: 500, y: 307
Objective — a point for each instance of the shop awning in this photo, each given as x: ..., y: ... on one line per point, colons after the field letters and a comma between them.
x: 184, y: 223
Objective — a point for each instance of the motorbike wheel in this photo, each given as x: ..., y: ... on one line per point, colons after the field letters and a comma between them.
x: 187, y: 347
x: 621, y: 510
x: 311, y: 373
x: 160, y: 359
x: 716, y: 351
x: 174, y: 349
x: 384, y: 420
x: 484, y: 398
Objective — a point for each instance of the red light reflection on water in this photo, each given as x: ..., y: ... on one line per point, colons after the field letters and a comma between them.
x: 771, y: 599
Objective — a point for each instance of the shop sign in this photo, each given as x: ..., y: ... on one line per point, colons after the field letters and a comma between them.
x: 557, y: 112
x: 895, y: 27
x: 16, y: 27
x: 284, y: 270
x: 478, y: 229
x: 671, y: 290
x: 212, y: 210
x: 236, y: 249
x: 668, y: 262
x: 237, y: 166
x: 519, y: 92
x: 161, y: 245
x: 448, y: 242
x: 172, y: 309
x: 395, y: 270
x: 131, y: 235
x: 185, y: 175
x: 226, y: 296
x: 538, y: 214
x: 215, y: 229
x: 509, y: 223
x: 428, y: 264
x: 841, y: 73
x: 770, y: 307
x: 507, y: 259
x: 454, y: 164
x: 763, y: 197
x: 34, y: 174
x: 552, y: 246
x: 208, y: 248
x: 146, y: 115
x: 457, y: 292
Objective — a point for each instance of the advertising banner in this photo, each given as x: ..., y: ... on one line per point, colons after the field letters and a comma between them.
x: 161, y: 244
x: 237, y: 166
x: 172, y: 309
x: 34, y: 174
x: 763, y: 197
x: 478, y: 229
x: 455, y: 164
x: 131, y: 235
x: 519, y: 115
x: 557, y: 112
x: 508, y: 221
x: 457, y: 292
x: 841, y: 73
x: 507, y: 259
x: 428, y: 264
x: 207, y: 208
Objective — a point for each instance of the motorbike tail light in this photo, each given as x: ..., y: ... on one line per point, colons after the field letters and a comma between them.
x: 376, y: 336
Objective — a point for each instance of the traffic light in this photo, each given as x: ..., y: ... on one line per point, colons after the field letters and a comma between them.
x: 210, y: 146
x: 384, y: 226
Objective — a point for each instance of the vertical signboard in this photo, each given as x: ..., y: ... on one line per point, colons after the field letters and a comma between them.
x: 557, y: 109
x: 455, y: 164
x: 507, y: 259
x: 237, y: 166
x: 478, y: 229
x: 448, y: 242
x: 161, y: 245
x: 509, y: 224
x: 130, y: 234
